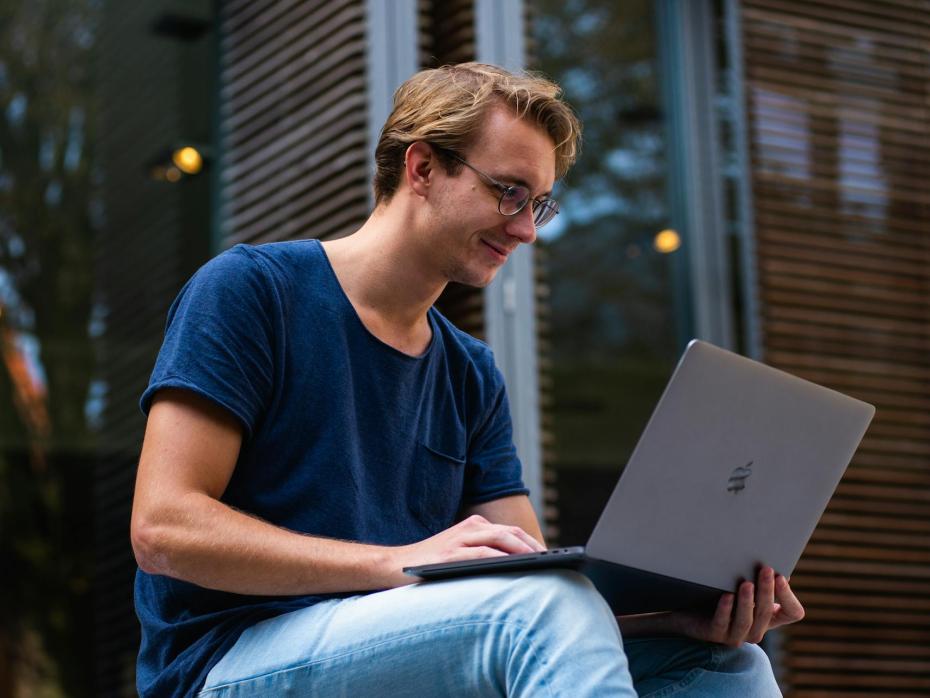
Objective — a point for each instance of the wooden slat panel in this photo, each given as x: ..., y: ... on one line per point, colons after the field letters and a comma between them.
x: 294, y: 112
x: 853, y: 223
x: 839, y: 110
x: 791, y: 14
x: 255, y: 93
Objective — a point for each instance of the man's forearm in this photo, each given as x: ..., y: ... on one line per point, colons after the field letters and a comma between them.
x: 180, y: 528
x: 204, y: 541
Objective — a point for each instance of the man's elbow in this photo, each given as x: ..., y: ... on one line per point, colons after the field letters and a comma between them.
x: 149, y: 545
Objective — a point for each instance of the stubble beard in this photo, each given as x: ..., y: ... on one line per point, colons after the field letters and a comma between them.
x: 459, y: 271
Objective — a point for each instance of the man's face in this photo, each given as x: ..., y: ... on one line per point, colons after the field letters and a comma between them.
x: 473, y: 238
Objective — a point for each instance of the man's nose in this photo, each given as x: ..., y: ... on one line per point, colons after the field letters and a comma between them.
x: 522, y: 226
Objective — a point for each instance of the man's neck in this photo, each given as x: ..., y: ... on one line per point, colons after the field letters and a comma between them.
x: 387, y: 279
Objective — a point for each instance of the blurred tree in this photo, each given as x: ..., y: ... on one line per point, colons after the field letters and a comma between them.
x: 613, y: 320
x: 47, y: 207
x: 610, y: 288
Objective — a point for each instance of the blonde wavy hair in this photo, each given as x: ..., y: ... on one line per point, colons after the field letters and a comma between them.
x: 446, y: 107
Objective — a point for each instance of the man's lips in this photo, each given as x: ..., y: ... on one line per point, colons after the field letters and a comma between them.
x: 502, y: 251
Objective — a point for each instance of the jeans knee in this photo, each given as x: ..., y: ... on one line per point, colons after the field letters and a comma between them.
x: 754, y: 658
x: 753, y: 663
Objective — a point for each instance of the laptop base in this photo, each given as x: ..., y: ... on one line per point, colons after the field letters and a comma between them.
x: 627, y: 590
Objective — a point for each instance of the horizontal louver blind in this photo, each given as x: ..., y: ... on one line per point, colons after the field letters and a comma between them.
x: 839, y: 120
x: 294, y: 117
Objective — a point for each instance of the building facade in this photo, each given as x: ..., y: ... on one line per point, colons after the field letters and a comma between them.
x: 754, y: 172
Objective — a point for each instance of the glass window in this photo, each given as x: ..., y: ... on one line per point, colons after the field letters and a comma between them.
x: 49, y: 206
x: 611, y: 261
x: 98, y: 229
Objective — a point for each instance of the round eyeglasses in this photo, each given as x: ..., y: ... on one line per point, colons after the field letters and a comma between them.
x: 514, y: 197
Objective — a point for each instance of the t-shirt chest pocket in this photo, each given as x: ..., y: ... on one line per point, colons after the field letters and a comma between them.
x: 438, y: 481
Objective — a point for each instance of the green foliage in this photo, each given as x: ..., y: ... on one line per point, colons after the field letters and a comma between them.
x: 612, y: 315
x: 610, y: 288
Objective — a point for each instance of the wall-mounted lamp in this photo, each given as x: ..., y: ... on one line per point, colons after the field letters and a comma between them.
x: 666, y: 241
x: 187, y: 159
x: 173, y: 164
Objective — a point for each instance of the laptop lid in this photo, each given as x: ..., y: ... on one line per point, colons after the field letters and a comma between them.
x: 733, y: 470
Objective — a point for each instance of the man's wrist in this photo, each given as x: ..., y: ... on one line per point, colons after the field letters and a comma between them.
x: 385, y: 566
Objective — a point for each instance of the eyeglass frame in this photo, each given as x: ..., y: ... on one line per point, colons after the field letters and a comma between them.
x: 546, y: 204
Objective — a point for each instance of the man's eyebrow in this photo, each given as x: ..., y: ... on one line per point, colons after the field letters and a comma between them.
x: 510, y: 179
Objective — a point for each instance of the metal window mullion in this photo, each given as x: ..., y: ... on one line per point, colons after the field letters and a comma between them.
x: 686, y: 44
x: 746, y: 225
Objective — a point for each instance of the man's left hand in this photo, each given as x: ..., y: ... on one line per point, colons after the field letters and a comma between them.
x: 759, y: 607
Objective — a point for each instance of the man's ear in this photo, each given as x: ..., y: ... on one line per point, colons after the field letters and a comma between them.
x: 419, y: 167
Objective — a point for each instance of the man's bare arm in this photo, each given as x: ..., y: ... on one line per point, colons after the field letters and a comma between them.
x: 181, y: 529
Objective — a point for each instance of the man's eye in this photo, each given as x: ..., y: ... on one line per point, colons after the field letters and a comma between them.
x: 514, y: 194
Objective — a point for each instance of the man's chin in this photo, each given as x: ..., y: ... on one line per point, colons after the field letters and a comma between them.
x: 476, y: 281
x: 474, y: 278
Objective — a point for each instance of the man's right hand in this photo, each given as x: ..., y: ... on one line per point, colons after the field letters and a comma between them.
x: 471, y: 538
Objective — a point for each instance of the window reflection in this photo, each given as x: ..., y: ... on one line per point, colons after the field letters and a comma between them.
x: 613, y: 327
x: 47, y: 118
x: 46, y: 262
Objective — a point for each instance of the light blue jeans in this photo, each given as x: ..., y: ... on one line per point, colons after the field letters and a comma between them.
x: 538, y: 635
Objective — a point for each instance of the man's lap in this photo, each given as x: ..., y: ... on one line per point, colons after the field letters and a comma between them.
x: 437, y: 632
x: 436, y: 638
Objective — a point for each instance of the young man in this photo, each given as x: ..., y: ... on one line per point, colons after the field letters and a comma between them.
x: 314, y: 426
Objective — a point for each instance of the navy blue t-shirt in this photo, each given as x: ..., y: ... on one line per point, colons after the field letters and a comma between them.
x: 344, y: 436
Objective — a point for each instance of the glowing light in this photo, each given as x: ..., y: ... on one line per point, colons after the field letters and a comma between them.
x: 667, y: 241
x: 172, y: 174
x: 188, y: 160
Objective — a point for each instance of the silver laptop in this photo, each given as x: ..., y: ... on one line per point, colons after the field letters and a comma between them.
x: 733, y: 471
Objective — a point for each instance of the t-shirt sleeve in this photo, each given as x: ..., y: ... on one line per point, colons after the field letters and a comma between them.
x: 219, y: 338
x: 493, y: 469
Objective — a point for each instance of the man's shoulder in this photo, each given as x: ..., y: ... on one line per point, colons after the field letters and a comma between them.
x: 270, y: 256
x: 467, y: 348
x: 286, y: 256
x: 277, y: 265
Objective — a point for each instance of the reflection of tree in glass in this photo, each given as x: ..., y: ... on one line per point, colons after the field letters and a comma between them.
x: 610, y: 289
x: 46, y: 195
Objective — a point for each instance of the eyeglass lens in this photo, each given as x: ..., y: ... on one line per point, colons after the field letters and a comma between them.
x: 543, y: 212
x: 514, y: 199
